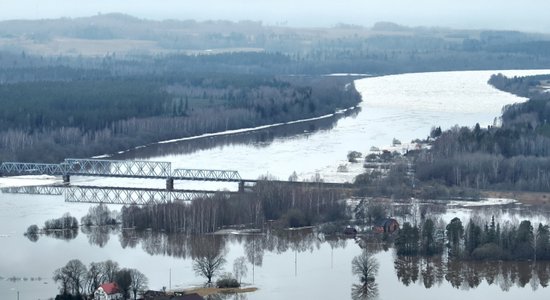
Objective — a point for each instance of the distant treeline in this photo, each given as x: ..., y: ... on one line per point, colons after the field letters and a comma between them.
x: 384, y: 48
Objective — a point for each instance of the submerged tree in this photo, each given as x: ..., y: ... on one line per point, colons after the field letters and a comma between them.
x: 366, y: 267
x: 407, y: 239
x: 208, y: 266
x: 239, y: 268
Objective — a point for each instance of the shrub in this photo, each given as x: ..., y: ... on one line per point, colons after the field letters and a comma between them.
x: 32, y: 230
x: 490, y: 251
x: 353, y: 156
x: 228, y: 283
x: 296, y: 218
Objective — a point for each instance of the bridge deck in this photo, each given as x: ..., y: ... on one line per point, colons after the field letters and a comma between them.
x: 117, y: 168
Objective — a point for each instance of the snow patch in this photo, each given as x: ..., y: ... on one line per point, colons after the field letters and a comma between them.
x: 28, y: 180
x: 250, y: 129
x: 484, y: 202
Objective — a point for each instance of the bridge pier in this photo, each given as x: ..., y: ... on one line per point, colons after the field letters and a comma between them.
x: 170, y: 184
x: 241, y: 186
x: 66, y: 178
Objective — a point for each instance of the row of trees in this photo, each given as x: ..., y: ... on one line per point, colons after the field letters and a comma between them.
x: 292, y: 205
x: 75, y: 279
x: 65, y: 227
x: 476, y: 240
x: 493, y: 241
x: 433, y: 271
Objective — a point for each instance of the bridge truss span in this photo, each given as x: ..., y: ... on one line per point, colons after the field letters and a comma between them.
x: 35, y: 190
x: 113, y: 195
x: 118, y: 168
x: 206, y: 175
x: 19, y: 168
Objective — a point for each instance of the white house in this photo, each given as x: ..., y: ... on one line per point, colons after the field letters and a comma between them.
x: 108, y: 291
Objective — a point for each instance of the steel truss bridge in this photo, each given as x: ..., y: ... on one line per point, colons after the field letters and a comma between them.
x: 115, y: 195
x: 131, y: 169
x: 117, y: 168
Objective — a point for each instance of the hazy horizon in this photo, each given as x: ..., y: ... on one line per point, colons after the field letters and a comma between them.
x: 528, y: 15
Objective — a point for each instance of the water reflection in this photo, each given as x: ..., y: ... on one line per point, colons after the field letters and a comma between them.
x: 99, y: 235
x: 365, y: 266
x: 192, y: 246
x: 62, y: 234
x: 464, y: 275
x: 430, y: 272
x: 259, y: 138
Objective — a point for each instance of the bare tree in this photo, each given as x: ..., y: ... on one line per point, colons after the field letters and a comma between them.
x: 60, y: 277
x: 366, y: 267
x: 110, y: 269
x: 208, y: 266
x: 139, y: 282
x: 94, y: 277
x: 239, y: 268
x: 72, y: 277
x: 123, y: 279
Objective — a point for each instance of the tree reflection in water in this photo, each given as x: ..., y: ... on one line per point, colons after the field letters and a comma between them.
x: 366, y: 267
x: 63, y: 234
x: 429, y: 271
x: 99, y: 235
x: 467, y: 275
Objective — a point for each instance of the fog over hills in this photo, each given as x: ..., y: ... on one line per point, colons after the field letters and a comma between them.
x: 527, y: 15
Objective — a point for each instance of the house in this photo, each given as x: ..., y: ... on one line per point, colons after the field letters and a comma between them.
x: 388, y: 225
x: 152, y: 295
x: 108, y: 291
x: 193, y: 296
x: 350, y: 231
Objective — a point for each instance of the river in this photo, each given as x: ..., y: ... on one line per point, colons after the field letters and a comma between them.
x: 301, y: 265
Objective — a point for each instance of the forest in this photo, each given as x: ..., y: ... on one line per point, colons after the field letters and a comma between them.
x: 98, y: 85
x: 512, y: 156
x: 285, y: 205
x: 96, y: 116
x: 478, y: 240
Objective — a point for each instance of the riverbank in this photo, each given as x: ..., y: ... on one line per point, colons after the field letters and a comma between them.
x: 531, y: 198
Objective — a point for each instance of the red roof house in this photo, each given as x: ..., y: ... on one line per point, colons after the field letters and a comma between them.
x: 108, y: 291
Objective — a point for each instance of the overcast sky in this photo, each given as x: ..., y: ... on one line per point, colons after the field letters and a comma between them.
x: 530, y: 15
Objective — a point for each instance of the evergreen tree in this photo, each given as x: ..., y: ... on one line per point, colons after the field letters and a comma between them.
x: 455, y: 233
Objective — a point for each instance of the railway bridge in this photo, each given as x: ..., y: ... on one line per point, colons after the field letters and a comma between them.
x: 131, y: 169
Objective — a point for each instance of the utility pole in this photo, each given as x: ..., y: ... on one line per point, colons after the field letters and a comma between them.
x: 170, y: 280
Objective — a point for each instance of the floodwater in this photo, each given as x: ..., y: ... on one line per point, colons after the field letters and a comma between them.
x: 304, y: 265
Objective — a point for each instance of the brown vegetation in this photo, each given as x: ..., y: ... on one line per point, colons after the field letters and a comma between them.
x: 207, y: 291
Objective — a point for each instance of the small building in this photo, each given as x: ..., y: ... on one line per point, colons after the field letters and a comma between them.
x: 193, y: 296
x: 108, y: 291
x: 350, y: 231
x: 388, y: 225
x: 152, y: 295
